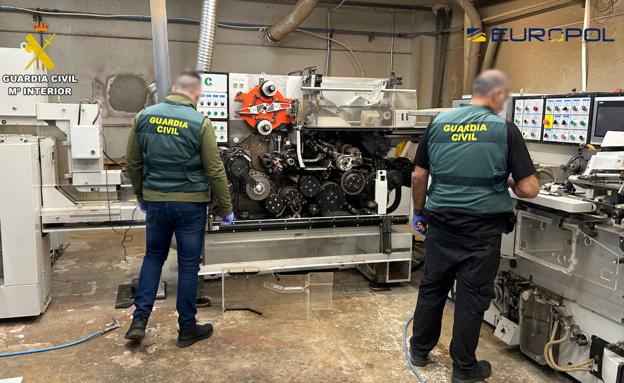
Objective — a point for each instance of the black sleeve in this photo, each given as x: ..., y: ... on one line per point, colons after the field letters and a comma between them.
x: 422, y: 152
x: 519, y: 162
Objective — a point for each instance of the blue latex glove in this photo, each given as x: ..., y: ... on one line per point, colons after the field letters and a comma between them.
x: 228, y: 219
x: 420, y: 223
x: 143, y: 207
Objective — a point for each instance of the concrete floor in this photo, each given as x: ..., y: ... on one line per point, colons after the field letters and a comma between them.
x: 358, y: 340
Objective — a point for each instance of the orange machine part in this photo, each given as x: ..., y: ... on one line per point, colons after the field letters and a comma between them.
x: 257, y: 107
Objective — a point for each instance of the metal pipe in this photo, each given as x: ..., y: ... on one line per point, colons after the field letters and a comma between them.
x: 490, y: 53
x: 299, y: 13
x: 186, y: 21
x: 207, y: 27
x: 329, y: 45
x: 443, y: 22
x: 471, y: 50
x: 586, y: 19
x: 334, y: 89
x: 392, y: 46
x: 158, y: 11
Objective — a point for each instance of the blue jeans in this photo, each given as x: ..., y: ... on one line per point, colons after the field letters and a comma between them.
x: 187, y: 220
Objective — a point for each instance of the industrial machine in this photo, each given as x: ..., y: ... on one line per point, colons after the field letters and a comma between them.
x: 317, y: 179
x: 54, y: 179
x: 315, y: 174
x: 559, y: 293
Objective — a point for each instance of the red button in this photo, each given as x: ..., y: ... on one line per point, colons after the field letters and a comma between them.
x: 535, y: 108
x: 563, y: 136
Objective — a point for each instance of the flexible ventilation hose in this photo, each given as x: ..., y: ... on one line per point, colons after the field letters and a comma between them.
x: 299, y: 13
x: 207, y: 26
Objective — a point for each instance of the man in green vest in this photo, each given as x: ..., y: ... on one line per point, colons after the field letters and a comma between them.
x: 173, y: 163
x: 469, y: 153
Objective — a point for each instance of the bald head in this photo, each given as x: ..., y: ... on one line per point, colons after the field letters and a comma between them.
x: 491, y: 89
x: 188, y: 83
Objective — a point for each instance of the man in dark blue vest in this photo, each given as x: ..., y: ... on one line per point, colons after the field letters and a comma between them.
x: 469, y: 153
x: 173, y: 163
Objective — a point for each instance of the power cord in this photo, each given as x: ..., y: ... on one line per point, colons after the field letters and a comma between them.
x: 126, y: 237
x: 114, y: 325
x: 406, y: 352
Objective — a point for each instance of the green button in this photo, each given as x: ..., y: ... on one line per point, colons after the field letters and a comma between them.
x: 223, y: 113
x: 208, y: 113
x: 582, y: 123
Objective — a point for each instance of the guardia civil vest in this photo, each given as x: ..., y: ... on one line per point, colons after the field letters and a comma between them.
x: 467, y: 150
x: 169, y: 134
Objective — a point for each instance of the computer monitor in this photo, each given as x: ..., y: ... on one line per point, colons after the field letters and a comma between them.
x: 608, y: 116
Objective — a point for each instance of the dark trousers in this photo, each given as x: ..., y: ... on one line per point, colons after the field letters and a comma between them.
x: 187, y: 220
x: 473, y: 262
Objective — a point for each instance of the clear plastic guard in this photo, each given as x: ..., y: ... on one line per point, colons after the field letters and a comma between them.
x: 279, y: 297
x: 356, y: 103
x: 566, y: 248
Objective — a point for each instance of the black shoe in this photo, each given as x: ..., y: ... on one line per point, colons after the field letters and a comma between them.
x: 418, y: 361
x: 482, y: 370
x: 136, y: 332
x: 188, y: 337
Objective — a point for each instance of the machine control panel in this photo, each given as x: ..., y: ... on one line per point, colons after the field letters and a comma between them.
x: 220, y: 129
x: 566, y: 119
x: 527, y: 115
x: 213, y: 102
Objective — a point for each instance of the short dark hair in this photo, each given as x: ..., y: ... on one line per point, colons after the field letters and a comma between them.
x: 487, y: 82
x: 188, y: 80
x: 190, y: 73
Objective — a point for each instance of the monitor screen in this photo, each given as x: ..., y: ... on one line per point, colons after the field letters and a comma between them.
x: 609, y: 116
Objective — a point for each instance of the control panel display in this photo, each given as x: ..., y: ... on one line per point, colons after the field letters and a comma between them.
x: 608, y: 116
x: 213, y: 102
x: 566, y: 120
x: 528, y: 114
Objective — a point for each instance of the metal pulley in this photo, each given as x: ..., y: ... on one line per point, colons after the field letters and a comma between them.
x: 268, y: 89
x: 352, y: 182
x: 260, y: 188
x: 292, y: 198
x: 274, y: 204
x: 309, y: 185
x: 264, y: 127
x: 331, y: 197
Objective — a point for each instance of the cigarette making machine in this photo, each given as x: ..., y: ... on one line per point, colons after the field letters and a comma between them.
x: 311, y: 163
x: 315, y: 177
x: 559, y: 294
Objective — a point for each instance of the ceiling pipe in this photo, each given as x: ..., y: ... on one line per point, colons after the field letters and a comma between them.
x: 471, y: 50
x: 490, y: 54
x: 207, y: 27
x: 586, y: 20
x: 158, y: 12
x: 299, y: 13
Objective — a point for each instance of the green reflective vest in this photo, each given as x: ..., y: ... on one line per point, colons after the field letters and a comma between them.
x: 169, y: 134
x: 467, y: 150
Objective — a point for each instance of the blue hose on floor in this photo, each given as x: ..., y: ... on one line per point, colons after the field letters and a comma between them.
x: 103, y: 331
x: 406, y: 352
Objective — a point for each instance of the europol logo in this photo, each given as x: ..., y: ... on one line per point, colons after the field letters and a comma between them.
x: 32, y: 46
x: 475, y: 35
